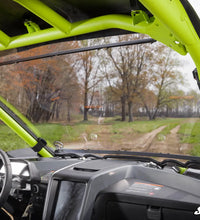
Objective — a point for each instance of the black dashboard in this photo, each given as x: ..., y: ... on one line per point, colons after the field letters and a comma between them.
x: 106, y: 189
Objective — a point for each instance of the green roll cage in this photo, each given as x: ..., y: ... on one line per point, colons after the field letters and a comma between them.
x: 169, y: 24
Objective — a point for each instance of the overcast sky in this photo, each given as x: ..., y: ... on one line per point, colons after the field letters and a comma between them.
x: 187, y: 60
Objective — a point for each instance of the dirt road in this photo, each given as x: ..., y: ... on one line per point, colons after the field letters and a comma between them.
x: 150, y: 142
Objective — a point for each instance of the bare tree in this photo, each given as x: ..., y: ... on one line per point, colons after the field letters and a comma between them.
x: 88, y: 71
x: 163, y: 76
x: 49, y: 85
x: 126, y: 72
x: 70, y: 88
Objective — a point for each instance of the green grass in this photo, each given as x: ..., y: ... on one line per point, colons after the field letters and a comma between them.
x: 189, y: 131
x: 51, y: 132
x: 10, y: 141
x: 73, y: 133
x: 143, y: 126
x: 76, y: 131
x: 195, y: 150
x: 162, y: 135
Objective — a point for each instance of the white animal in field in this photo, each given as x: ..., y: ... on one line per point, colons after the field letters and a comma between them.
x: 100, y: 120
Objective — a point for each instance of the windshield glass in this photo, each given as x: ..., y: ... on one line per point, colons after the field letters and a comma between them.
x: 135, y: 98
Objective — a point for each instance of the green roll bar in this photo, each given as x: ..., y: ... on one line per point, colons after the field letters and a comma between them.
x: 23, y: 128
x: 171, y: 26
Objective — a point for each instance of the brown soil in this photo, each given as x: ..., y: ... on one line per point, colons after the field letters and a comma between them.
x: 170, y: 144
x: 134, y: 142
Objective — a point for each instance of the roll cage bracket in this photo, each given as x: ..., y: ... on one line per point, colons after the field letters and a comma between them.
x: 166, y: 21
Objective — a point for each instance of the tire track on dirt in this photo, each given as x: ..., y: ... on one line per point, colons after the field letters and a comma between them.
x: 146, y: 140
x: 136, y: 142
x: 171, y: 144
x: 141, y: 143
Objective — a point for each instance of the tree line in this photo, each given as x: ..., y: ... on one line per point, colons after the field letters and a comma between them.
x: 139, y: 80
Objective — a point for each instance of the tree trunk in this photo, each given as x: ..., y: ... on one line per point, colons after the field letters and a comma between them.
x: 148, y: 112
x: 68, y: 111
x: 167, y: 111
x: 130, y: 113
x: 85, y: 111
x: 123, y: 103
x: 154, y: 114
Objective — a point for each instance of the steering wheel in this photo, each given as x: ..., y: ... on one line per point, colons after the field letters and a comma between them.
x: 6, y: 178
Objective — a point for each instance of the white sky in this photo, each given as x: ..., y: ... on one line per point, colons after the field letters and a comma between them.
x: 188, y: 64
x: 196, y: 5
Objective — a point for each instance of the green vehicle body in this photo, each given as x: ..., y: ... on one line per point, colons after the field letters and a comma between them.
x: 175, y: 31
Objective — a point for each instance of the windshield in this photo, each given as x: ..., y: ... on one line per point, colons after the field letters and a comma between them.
x: 133, y: 98
x: 138, y: 97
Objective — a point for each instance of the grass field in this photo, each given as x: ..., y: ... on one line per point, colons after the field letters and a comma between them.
x: 112, y: 131
x: 10, y: 141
